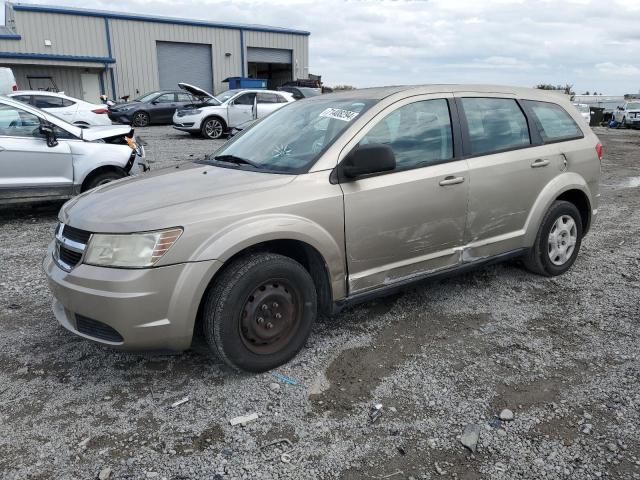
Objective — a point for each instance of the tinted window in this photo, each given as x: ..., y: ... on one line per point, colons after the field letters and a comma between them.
x: 554, y: 122
x: 166, y: 98
x: 67, y: 103
x: 495, y: 124
x: 418, y: 133
x: 184, y: 97
x: 18, y: 123
x: 246, y: 99
x: 281, y: 99
x: 267, y: 98
x: 22, y: 98
x: 44, y: 101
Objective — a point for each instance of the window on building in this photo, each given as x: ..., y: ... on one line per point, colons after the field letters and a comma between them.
x: 495, y: 124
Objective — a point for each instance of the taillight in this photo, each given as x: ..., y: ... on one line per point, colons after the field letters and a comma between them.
x: 599, y: 151
x: 100, y: 110
x: 14, y: 88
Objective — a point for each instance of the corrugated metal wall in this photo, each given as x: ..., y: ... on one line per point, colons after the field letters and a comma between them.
x: 67, y: 79
x: 134, y: 46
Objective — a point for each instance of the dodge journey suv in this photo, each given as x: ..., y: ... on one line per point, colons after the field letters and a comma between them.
x: 324, y: 203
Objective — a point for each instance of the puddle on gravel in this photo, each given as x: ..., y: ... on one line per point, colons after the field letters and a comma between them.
x: 357, y: 371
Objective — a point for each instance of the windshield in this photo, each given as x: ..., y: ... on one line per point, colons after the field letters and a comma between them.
x: 224, y: 96
x: 146, y: 97
x: 291, y: 138
x: 633, y: 106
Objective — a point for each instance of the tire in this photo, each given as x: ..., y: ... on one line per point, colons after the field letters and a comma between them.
x: 213, y: 128
x: 101, y: 179
x: 564, y: 219
x: 248, y: 297
x: 140, y: 119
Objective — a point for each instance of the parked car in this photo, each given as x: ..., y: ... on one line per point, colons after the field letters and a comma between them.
x: 42, y: 157
x: 301, y: 92
x: 628, y: 115
x: 72, y: 110
x: 153, y: 107
x: 213, y: 116
x: 7, y: 81
x: 325, y: 203
x: 585, y: 111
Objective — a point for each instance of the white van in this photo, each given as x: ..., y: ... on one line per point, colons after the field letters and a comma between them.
x: 7, y: 81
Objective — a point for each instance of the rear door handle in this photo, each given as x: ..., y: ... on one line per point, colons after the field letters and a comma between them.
x: 451, y: 180
x: 540, y: 163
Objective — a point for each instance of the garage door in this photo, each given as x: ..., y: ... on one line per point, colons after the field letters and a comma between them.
x: 268, y: 55
x: 184, y: 62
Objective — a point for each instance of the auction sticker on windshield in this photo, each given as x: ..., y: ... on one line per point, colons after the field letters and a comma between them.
x: 339, y: 114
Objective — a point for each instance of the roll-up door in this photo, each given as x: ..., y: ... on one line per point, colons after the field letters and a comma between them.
x: 184, y: 62
x: 268, y: 55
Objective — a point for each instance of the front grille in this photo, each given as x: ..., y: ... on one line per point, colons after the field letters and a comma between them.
x: 69, y: 257
x: 70, y: 246
x: 75, y: 234
x: 97, y: 329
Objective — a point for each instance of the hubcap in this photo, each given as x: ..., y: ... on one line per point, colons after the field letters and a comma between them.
x: 562, y: 240
x: 270, y: 317
x: 213, y: 128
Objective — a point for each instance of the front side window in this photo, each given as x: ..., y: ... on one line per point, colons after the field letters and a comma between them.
x: 554, y: 122
x: 495, y: 124
x: 419, y: 134
x: 246, y: 99
x: 166, y: 98
x: 18, y: 123
x: 290, y: 139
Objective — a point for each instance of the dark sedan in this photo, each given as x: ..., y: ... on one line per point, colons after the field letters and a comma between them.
x: 153, y: 107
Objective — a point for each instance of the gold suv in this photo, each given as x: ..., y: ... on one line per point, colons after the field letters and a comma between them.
x: 326, y: 202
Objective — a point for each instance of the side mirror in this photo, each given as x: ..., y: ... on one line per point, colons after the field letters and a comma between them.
x: 368, y: 159
x: 48, y: 130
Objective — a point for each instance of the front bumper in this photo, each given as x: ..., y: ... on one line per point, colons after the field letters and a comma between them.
x: 121, y: 117
x: 148, y: 309
x: 187, y: 123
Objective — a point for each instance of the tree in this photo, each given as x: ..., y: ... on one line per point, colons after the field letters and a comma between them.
x: 586, y: 93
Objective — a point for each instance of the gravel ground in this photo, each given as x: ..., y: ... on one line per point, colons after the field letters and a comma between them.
x: 561, y: 354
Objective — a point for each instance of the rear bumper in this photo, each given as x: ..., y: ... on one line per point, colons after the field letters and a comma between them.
x: 141, y: 309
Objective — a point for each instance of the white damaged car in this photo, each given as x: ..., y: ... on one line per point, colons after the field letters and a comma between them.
x: 213, y: 117
x: 42, y: 157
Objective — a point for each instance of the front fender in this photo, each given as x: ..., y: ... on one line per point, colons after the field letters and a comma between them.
x: 88, y: 156
x: 236, y: 237
x: 556, y: 187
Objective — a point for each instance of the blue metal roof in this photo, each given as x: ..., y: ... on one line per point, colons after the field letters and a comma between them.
x: 27, y: 7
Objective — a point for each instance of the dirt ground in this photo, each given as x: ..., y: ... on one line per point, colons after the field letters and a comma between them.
x: 562, y: 354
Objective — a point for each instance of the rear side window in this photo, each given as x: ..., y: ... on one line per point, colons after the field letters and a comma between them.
x: 45, y: 101
x: 184, y: 97
x: 419, y: 134
x: 554, y: 122
x: 495, y: 124
x: 267, y: 98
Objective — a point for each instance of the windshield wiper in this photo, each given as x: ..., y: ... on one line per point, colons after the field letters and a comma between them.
x: 237, y: 160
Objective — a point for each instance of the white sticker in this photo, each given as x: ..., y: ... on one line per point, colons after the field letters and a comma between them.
x: 339, y: 114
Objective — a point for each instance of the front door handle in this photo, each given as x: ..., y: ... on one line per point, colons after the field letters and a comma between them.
x: 540, y: 163
x: 451, y: 180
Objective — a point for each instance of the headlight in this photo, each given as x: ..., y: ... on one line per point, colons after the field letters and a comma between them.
x: 135, y: 250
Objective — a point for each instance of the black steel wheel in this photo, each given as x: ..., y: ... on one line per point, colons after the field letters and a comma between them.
x: 259, y: 312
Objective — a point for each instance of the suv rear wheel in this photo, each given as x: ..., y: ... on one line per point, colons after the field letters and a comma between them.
x: 558, y: 241
x: 260, y: 311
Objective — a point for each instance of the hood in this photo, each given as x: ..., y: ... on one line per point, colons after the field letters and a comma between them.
x: 169, y: 197
x: 195, y: 91
x: 108, y: 131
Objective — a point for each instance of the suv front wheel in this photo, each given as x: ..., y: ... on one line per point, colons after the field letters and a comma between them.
x: 259, y: 312
x: 558, y: 241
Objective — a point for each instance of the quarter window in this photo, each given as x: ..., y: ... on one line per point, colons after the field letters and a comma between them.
x: 419, y: 134
x: 18, y: 123
x: 554, y: 122
x: 495, y: 124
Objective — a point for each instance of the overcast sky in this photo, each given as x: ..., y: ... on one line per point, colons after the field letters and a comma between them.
x: 593, y: 44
